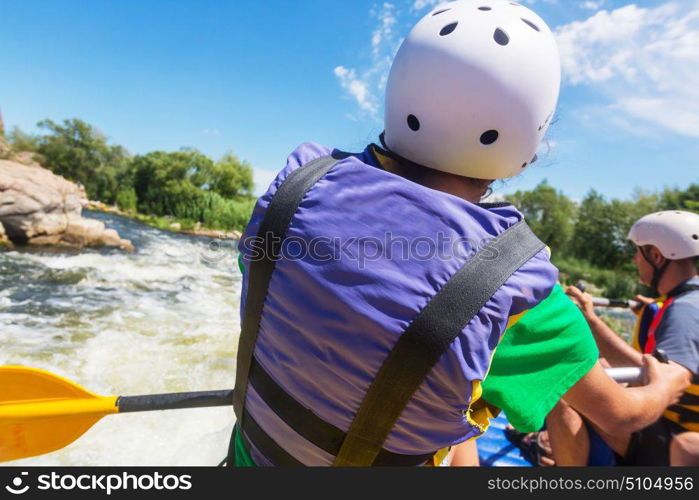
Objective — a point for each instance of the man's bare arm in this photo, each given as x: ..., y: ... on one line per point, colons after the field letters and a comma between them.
x: 611, y: 346
x: 617, y: 410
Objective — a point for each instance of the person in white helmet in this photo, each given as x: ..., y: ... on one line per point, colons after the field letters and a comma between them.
x: 376, y: 287
x: 666, y: 257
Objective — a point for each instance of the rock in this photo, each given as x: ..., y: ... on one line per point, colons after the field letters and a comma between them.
x: 5, y: 149
x: 4, y: 240
x: 40, y: 208
x: 212, y: 233
x: 23, y: 157
x: 26, y: 158
x: 175, y: 226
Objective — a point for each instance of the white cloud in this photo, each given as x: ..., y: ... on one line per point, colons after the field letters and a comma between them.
x: 214, y: 131
x: 366, y: 86
x: 592, y: 4
x: 383, y: 33
x: 421, y: 4
x: 358, y: 88
x: 645, y: 60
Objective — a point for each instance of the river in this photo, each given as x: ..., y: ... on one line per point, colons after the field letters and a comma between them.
x: 162, y: 319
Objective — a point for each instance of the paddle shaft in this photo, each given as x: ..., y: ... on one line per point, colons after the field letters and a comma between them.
x: 602, y: 302
x: 622, y: 303
x: 174, y: 401
x: 631, y: 375
x: 635, y: 374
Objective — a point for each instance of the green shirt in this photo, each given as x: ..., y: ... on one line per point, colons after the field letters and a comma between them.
x: 538, y: 359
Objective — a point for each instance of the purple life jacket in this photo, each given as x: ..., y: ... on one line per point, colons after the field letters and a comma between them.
x: 365, y: 252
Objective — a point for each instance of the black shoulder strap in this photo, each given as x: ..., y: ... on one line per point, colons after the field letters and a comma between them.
x: 429, y: 336
x: 270, y: 236
x: 684, y: 288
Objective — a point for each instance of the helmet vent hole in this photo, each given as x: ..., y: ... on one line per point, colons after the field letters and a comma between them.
x: 449, y: 28
x: 524, y: 166
x: 440, y: 12
x: 695, y: 236
x: 531, y: 24
x: 489, y: 137
x: 485, y: 8
x: 515, y: 4
x: 501, y: 37
x: 413, y: 123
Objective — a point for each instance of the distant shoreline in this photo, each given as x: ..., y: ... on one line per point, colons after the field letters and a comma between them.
x: 166, y: 223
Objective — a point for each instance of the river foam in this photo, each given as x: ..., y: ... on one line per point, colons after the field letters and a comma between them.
x: 162, y: 319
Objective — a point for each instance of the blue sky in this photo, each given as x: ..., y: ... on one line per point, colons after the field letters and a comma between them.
x: 258, y: 78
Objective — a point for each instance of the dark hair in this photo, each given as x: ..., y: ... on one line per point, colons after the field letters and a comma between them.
x: 416, y: 172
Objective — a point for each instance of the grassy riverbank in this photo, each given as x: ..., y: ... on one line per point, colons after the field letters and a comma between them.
x: 169, y: 223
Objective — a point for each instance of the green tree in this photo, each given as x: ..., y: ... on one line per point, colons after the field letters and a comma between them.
x: 600, y: 231
x: 232, y: 178
x: 79, y: 152
x: 549, y: 213
x: 127, y: 200
x: 22, y: 141
x: 163, y: 180
x: 677, y: 199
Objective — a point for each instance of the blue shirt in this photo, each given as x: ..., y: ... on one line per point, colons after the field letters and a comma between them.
x: 678, y: 332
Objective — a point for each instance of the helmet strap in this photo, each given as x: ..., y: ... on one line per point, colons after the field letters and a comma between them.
x: 658, y: 271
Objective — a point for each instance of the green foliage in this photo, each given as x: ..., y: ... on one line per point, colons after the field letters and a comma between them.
x: 231, y: 177
x: 600, y: 231
x: 188, y: 185
x: 615, y: 283
x: 165, y: 181
x: 21, y: 141
x: 676, y: 199
x: 79, y: 152
x: 549, y: 213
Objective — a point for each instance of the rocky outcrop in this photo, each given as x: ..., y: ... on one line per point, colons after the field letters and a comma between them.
x: 38, y: 207
x: 4, y: 240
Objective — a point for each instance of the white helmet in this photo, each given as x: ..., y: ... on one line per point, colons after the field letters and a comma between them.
x: 674, y: 233
x: 473, y: 89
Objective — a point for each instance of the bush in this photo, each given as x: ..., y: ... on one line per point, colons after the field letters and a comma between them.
x: 126, y: 200
x: 22, y: 141
x: 621, y: 285
x: 614, y: 283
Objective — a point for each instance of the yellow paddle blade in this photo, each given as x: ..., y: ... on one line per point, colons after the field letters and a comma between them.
x: 41, y: 412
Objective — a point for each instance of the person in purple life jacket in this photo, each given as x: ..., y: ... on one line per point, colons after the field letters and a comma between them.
x: 376, y: 286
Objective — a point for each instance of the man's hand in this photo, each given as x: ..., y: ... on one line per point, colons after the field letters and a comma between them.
x: 671, y: 378
x: 583, y: 301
